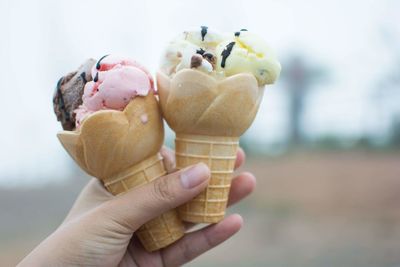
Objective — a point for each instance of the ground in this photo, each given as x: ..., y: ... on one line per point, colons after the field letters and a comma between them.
x: 310, y: 209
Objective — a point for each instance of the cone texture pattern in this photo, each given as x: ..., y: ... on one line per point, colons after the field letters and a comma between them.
x: 219, y: 154
x: 160, y: 231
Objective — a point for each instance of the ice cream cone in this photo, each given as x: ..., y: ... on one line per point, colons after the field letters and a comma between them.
x: 208, y: 117
x: 121, y: 149
x: 163, y: 230
x: 219, y: 153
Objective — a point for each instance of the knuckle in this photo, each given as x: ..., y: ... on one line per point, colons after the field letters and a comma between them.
x: 162, y: 189
x: 111, y: 219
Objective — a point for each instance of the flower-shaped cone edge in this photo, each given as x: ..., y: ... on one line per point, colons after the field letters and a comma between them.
x: 110, y: 141
x: 195, y: 103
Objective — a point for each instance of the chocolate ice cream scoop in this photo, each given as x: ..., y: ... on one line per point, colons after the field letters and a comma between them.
x: 68, y: 94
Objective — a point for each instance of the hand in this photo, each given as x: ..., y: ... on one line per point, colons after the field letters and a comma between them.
x: 98, y: 230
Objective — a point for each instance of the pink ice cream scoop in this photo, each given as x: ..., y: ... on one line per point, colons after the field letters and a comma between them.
x: 116, y: 82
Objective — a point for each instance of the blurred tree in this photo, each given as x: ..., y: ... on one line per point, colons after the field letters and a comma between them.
x: 300, y: 76
x: 387, y: 88
x: 395, y: 134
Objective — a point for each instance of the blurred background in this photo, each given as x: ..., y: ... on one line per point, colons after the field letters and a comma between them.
x: 325, y: 145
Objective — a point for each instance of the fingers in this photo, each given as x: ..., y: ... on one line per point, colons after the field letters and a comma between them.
x: 169, y: 159
x: 142, y: 257
x: 242, y: 185
x: 196, y: 243
x: 134, y: 208
x: 240, y: 158
x: 140, y: 205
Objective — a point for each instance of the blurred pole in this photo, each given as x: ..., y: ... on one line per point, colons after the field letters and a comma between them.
x: 387, y: 88
x: 297, y: 87
x: 300, y: 77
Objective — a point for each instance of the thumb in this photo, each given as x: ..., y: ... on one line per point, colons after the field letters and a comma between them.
x: 136, y: 207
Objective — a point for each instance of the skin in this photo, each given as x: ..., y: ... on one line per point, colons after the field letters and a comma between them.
x: 99, y: 229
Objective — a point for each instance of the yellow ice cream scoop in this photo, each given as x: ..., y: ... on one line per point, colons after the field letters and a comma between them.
x: 246, y: 52
x: 204, y: 37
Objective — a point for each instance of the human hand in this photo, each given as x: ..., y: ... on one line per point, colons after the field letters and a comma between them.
x: 98, y: 230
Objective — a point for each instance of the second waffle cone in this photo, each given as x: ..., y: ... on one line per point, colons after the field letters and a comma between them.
x: 208, y: 116
x: 219, y: 154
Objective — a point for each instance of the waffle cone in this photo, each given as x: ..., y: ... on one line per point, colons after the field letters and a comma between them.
x: 208, y: 117
x: 163, y: 230
x: 121, y: 148
x: 219, y: 153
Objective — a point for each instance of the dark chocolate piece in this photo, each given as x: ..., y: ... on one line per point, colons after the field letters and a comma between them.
x: 98, y: 65
x: 208, y: 55
x: 225, y: 54
x: 200, y: 51
x: 237, y: 34
x: 210, y: 58
x: 60, y: 98
x: 204, y: 30
x: 83, y: 76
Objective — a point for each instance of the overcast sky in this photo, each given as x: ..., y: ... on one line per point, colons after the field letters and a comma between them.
x: 45, y: 39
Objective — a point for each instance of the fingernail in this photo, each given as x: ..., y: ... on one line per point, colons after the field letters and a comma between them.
x: 195, y: 175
